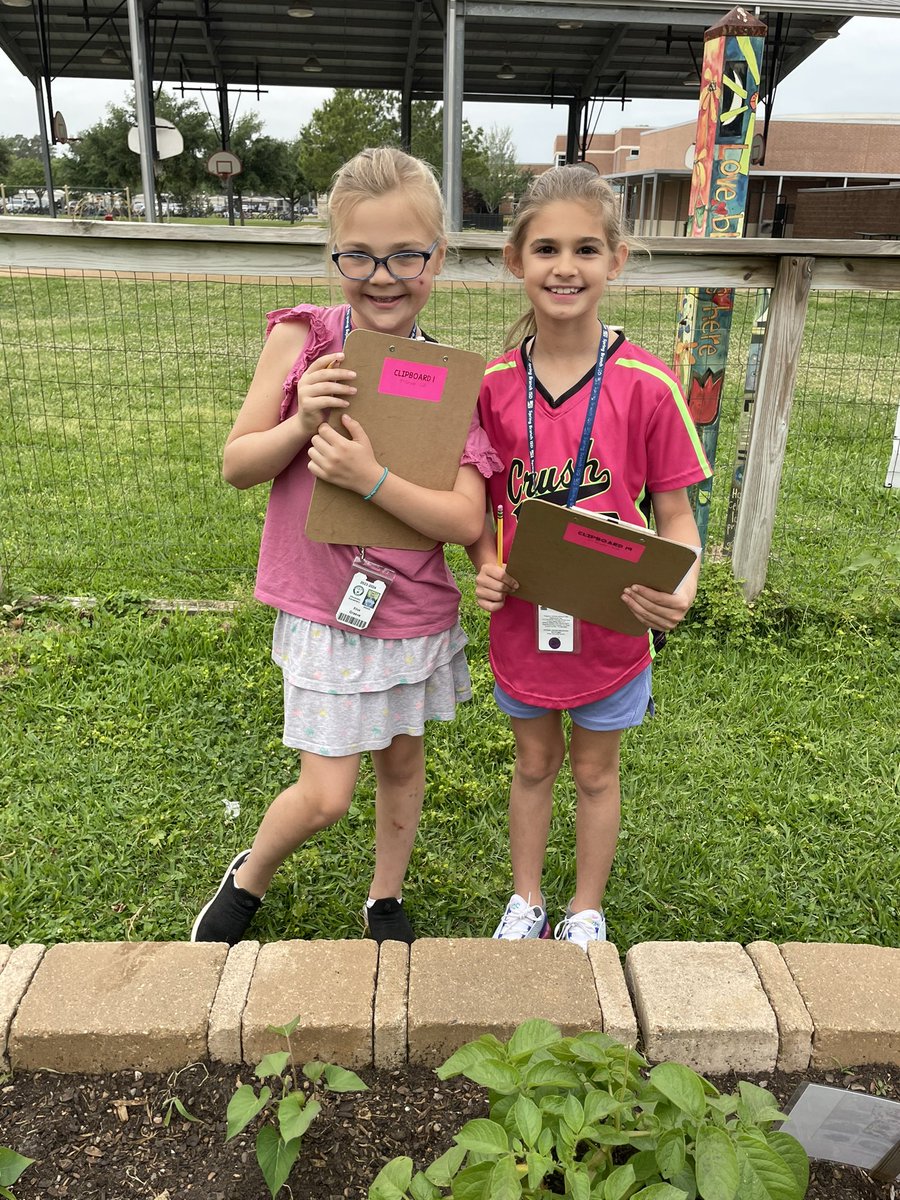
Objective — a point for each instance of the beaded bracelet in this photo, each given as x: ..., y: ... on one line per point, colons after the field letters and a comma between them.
x: 384, y: 476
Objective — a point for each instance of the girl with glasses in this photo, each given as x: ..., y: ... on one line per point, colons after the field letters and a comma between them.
x: 350, y: 690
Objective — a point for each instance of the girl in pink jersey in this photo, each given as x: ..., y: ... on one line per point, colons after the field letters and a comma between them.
x: 348, y: 690
x: 578, y: 415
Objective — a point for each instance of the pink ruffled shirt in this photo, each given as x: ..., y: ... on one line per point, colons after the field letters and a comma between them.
x: 308, y: 579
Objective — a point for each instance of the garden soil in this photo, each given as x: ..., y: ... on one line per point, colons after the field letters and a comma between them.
x: 121, y: 1137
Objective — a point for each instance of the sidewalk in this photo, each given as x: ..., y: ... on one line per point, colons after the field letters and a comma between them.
x: 715, y: 1006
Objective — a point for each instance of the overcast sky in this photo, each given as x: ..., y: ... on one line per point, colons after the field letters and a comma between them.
x: 854, y: 73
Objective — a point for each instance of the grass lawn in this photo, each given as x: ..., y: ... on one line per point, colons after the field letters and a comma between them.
x: 140, y: 752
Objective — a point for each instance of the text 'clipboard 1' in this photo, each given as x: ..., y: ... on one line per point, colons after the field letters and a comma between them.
x: 415, y: 401
x: 579, y: 562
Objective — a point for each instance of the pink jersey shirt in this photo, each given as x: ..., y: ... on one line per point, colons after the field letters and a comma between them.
x: 643, y: 441
x: 308, y: 579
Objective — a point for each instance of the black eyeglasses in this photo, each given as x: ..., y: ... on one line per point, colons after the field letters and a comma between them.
x: 402, y: 264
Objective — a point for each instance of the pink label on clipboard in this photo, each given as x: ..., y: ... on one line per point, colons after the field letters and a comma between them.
x: 599, y: 539
x: 419, y: 381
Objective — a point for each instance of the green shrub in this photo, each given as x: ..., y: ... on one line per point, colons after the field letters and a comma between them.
x: 586, y: 1118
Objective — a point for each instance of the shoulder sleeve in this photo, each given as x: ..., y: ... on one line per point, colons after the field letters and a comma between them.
x: 479, y: 452
x: 317, y: 342
x: 675, y: 454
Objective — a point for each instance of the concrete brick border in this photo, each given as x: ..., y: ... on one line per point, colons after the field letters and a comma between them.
x: 91, y: 1007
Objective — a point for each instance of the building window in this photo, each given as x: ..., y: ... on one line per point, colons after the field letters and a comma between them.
x: 560, y: 158
x: 633, y: 152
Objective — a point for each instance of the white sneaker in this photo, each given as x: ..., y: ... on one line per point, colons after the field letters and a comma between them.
x: 583, y: 927
x: 522, y: 920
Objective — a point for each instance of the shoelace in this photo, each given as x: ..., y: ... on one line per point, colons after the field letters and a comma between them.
x: 518, y: 921
x: 579, y: 929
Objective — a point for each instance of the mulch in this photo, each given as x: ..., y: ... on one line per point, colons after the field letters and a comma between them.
x: 120, y: 1136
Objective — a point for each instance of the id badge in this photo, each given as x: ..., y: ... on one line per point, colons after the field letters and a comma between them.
x: 557, y: 632
x: 364, y: 593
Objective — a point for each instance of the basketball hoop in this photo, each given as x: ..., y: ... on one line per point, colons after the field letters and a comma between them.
x: 224, y: 164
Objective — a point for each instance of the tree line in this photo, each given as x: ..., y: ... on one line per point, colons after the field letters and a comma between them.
x: 342, y: 125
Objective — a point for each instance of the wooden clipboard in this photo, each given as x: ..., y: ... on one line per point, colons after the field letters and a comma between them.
x: 579, y: 562
x: 415, y: 401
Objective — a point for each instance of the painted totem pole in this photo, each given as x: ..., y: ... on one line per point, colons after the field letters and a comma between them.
x: 732, y: 54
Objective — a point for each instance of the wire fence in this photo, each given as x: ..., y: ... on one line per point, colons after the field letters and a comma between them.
x: 117, y: 390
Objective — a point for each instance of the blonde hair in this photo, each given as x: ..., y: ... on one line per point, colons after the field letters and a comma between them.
x: 375, y: 172
x: 572, y: 182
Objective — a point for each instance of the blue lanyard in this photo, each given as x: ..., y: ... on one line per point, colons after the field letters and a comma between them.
x: 414, y: 333
x: 585, y: 442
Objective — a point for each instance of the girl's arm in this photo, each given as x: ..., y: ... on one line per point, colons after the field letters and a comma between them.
x: 674, y: 519
x: 260, y: 445
x: 454, y: 516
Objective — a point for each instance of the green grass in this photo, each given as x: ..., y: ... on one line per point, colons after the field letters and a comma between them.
x: 760, y: 803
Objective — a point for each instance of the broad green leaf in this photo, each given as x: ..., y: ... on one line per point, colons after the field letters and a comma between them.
x: 598, y: 1104
x: 243, y: 1106
x: 272, y: 1064
x: 314, y: 1070
x: 765, y: 1175
x: 619, y: 1182
x: 392, y: 1180
x: 645, y: 1166
x: 275, y: 1158
x: 545, y: 1141
x: 483, y: 1136
x: 504, y: 1181
x: 528, y: 1121
x: 341, y: 1080
x: 539, y: 1166
x: 295, y: 1115
x: 660, y: 1191
x: 573, y: 1114
x: 284, y: 1031
x: 12, y: 1164
x: 495, y: 1074
x: 578, y: 1184
x: 756, y: 1105
x: 549, y: 1073
x: 421, y: 1188
x: 670, y: 1153
x: 795, y: 1157
x: 467, y: 1056
x: 593, y: 1046
x: 473, y: 1182
x: 682, y: 1086
x: 443, y: 1169
x: 532, y: 1035
x: 718, y: 1173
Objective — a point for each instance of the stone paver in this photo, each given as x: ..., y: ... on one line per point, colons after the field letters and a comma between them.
x: 619, y: 1020
x: 224, y: 1038
x: 329, y: 985
x: 852, y: 993
x: 795, y: 1027
x: 391, y: 991
x: 460, y: 988
x: 107, y: 1006
x: 702, y: 1004
x: 18, y: 969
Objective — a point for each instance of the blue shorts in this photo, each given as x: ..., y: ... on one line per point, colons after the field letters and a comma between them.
x: 622, y: 710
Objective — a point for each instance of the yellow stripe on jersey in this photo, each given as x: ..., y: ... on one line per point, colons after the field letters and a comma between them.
x: 498, y: 366
x: 679, y: 401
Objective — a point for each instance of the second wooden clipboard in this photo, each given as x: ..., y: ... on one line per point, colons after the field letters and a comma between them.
x: 415, y: 401
x: 580, y: 563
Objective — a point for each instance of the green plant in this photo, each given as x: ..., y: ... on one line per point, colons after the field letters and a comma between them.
x: 11, y: 1167
x: 879, y: 568
x: 288, y: 1115
x: 586, y: 1118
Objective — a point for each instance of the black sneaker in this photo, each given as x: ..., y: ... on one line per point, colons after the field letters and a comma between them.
x: 387, y: 922
x: 227, y: 915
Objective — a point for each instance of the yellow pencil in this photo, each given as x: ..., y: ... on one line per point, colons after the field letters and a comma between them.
x: 500, y: 534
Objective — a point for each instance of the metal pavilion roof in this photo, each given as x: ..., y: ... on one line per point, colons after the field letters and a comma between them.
x: 526, y: 51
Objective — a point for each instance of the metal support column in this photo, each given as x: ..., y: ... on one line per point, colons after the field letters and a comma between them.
x: 45, y: 146
x: 454, y: 49
x: 142, y: 105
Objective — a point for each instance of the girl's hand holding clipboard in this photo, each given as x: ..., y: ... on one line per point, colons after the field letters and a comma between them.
x: 323, y: 385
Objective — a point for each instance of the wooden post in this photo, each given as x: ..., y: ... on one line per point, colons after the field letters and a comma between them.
x: 771, y: 416
x: 729, y: 90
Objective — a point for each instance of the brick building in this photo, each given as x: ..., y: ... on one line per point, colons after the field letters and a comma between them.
x: 651, y: 168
